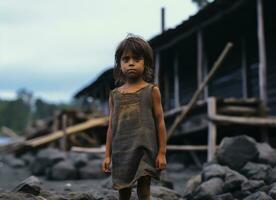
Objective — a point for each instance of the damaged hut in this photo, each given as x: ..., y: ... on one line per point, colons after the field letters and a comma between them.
x: 241, y: 93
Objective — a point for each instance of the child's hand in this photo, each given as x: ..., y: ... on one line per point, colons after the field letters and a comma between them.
x: 105, y: 165
x: 161, y: 161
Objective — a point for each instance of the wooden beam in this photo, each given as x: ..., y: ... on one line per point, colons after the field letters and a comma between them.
x: 69, y: 130
x: 262, y: 53
x: 244, y: 69
x: 200, y: 89
x: 248, y: 121
x: 199, y: 58
x: 169, y: 148
x: 157, y: 68
x: 63, y: 140
x: 212, y: 129
x: 176, y: 81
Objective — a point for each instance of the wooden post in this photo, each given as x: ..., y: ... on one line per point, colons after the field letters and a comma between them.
x: 157, y: 68
x: 262, y: 62
x: 63, y: 144
x: 212, y: 130
x: 162, y: 20
x: 199, y: 59
x: 244, y: 69
x: 176, y: 82
x: 262, y: 53
x: 166, y: 84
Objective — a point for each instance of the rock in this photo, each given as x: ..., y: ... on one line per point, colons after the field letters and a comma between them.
x: 13, y: 162
x: 235, y: 152
x: 272, y: 191
x: 226, y: 196
x: 252, y: 185
x: 256, y: 171
x: 267, y: 154
x: 92, y: 170
x: 31, y: 185
x: 272, y: 175
x: 160, y: 192
x: 213, y: 170
x: 258, y: 196
x: 78, y: 159
x: 191, y: 185
x: 175, y: 167
x: 46, y: 158
x: 27, y: 158
x: 233, y: 180
x: 63, y: 170
x: 208, y: 189
x: 18, y: 196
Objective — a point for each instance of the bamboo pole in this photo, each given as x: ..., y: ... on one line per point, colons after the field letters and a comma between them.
x: 212, y: 129
x: 200, y: 88
x: 69, y: 130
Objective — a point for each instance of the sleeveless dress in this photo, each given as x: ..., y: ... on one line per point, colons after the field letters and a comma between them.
x: 134, y: 137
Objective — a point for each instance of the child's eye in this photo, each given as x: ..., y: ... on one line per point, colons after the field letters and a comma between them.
x: 137, y: 58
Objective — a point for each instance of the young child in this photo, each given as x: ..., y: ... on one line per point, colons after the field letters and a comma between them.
x: 136, y: 135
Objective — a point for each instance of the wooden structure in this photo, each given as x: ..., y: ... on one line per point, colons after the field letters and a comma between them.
x: 244, y: 87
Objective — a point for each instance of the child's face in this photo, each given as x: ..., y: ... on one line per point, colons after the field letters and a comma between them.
x: 132, y: 65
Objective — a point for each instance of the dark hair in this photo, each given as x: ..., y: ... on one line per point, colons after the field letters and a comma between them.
x: 139, y: 47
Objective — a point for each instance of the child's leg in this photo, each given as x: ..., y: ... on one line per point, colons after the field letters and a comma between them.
x: 124, y: 194
x: 143, y: 188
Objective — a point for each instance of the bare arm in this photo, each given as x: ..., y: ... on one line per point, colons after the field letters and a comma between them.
x: 159, y: 120
x: 109, y: 130
x: 107, y: 160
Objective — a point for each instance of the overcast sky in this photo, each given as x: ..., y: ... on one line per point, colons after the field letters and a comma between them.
x: 55, y: 47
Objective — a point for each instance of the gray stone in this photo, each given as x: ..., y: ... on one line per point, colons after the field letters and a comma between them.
x: 267, y: 154
x: 159, y: 192
x: 235, y: 152
x: 78, y: 159
x: 63, y: 170
x: 252, y: 185
x: 213, y: 170
x: 233, y: 180
x: 191, y: 185
x: 272, y: 175
x: 12, y: 161
x: 208, y: 189
x: 258, y: 196
x: 226, y: 196
x: 256, y: 171
x: 46, y: 158
x: 92, y: 170
x: 31, y: 185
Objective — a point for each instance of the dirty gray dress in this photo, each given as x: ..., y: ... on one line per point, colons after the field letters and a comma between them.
x: 134, y: 137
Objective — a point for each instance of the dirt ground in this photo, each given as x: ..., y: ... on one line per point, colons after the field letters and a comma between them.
x: 10, y: 178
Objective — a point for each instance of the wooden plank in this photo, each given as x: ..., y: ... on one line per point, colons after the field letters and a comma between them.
x: 249, y: 121
x: 212, y: 129
x: 238, y: 110
x: 200, y: 89
x: 235, y: 101
x: 70, y: 130
x: 176, y: 82
x: 262, y: 53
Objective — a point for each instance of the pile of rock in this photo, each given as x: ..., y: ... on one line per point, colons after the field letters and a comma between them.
x: 242, y: 169
x: 58, y: 165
